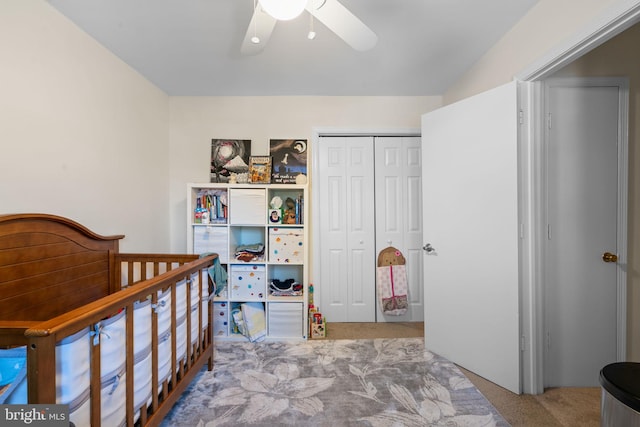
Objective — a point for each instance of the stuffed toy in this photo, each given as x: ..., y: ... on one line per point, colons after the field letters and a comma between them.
x: 392, y: 282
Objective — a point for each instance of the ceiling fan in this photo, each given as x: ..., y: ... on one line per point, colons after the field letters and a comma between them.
x: 331, y: 13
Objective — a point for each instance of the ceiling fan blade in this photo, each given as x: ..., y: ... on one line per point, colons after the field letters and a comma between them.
x: 261, y: 26
x: 344, y: 23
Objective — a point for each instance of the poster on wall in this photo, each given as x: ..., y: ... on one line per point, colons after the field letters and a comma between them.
x: 230, y: 157
x: 289, y: 161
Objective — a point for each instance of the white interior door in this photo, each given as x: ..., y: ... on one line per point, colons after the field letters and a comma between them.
x: 346, y: 222
x: 470, y: 198
x: 583, y: 136
x: 398, y: 187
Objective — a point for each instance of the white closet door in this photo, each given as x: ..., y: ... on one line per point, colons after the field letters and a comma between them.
x: 398, y: 179
x: 346, y: 222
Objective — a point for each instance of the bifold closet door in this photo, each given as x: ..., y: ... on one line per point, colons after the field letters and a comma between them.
x: 346, y: 224
x: 398, y: 208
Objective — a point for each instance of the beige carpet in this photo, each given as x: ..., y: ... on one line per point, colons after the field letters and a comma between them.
x: 557, y: 407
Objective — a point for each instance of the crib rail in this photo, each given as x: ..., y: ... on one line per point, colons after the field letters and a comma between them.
x: 135, y: 268
x: 146, y: 284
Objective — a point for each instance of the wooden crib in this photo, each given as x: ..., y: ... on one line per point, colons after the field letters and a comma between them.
x: 59, y: 279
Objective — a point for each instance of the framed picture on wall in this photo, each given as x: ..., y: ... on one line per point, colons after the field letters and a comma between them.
x: 230, y: 156
x: 289, y: 161
x: 260, y: 169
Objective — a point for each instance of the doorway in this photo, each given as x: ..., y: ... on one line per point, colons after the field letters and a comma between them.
x: 585, y: 191
x: 367, y: 196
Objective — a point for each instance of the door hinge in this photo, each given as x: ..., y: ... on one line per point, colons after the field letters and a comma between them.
x: 549, y: 120
x: 548, y: 340
x: 522, y: 343
x: 521, y: 117
x: 548, y: 231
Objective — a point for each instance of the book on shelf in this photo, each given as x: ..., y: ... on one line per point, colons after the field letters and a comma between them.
x: 211, y: 207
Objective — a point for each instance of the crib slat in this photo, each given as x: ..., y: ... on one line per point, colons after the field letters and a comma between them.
x: 174, y: 324
x: 154, y: 353
x: 96, y: 386
x: 130, y: 364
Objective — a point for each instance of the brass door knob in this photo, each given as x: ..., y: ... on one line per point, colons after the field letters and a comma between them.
x: 609, y: 257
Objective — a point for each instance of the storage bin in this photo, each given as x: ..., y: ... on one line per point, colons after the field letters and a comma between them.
x: 286, y: 245
x: 220, y: 319
x: 285, y: 320
x: 248, y: 282
x: 208, y: 239
x: 246, y: 206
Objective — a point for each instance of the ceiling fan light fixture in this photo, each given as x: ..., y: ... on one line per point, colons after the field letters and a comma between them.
x: 255, y: 40
x: 311, y: 35
x: 283, y: 10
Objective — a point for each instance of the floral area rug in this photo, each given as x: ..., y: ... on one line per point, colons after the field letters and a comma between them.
x: 379, y: 382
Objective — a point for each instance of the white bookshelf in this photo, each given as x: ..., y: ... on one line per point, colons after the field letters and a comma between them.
x: 240, y: 215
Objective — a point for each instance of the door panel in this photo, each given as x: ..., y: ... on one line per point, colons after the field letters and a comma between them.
x: 470, y: 211
x: 398, y: 183
x: 347, y: 246
x: 580, y: 289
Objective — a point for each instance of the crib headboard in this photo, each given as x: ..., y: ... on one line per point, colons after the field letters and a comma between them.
x: 50, y: 265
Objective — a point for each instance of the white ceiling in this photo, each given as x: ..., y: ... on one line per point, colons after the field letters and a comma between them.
x: 192, y: 47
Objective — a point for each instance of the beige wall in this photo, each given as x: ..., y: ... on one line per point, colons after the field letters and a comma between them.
x: 548, y: 24
x: 82, y: 135
x: 197, y: 120
x: 619, y: 57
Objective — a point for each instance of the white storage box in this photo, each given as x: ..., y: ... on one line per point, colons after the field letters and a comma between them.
x: 207, y: 239
x: 248, y: 282
x: 286, y: 245
x: 247, y: 206
x: 285, y: 319
x: 220, y: 319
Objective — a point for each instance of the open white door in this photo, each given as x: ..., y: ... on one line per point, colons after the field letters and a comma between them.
x: 470, y: 211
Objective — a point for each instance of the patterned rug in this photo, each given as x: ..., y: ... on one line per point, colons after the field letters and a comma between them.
x: 380, y: 383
